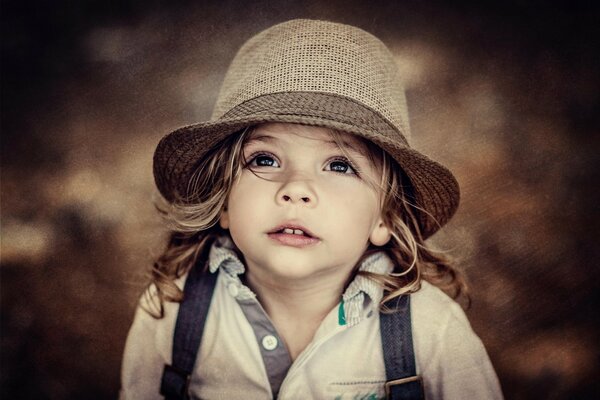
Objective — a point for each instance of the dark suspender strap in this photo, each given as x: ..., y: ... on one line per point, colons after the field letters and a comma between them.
x: 398, y: 353
x: 189, y: 327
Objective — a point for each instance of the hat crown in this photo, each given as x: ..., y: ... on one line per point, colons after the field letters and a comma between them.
x: 316, y: 56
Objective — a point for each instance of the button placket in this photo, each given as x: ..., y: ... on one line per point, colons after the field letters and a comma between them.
x: 274, y: 353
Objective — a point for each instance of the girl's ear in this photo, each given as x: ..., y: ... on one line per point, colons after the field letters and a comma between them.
x: 224, y: 219
x: 381, y: 234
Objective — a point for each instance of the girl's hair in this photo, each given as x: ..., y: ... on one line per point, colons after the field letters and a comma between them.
x: 194, y: 227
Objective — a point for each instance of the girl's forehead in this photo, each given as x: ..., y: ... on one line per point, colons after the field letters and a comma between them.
x: 285, y: 133
x: 290, y: 132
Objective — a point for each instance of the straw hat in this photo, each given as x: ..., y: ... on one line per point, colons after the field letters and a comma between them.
x: 314, y: 73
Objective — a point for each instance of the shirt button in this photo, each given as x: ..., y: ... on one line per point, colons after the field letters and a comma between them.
x: 233, y: 289
x: 269, y: 342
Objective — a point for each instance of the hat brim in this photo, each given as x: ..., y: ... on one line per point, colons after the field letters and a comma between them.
x: 435, y: 190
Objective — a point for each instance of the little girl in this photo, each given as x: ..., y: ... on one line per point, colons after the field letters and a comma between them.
x: 297, y: 266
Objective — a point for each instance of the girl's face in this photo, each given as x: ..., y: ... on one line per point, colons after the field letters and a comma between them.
x: 301, y: 208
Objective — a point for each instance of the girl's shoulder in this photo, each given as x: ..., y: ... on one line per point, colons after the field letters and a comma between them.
x: 450, y: 356
x: 431, y: 295
x: 434, y: 311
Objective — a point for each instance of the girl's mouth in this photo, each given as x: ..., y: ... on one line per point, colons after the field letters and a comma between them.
x: 294, y: 232
x: 294, y: 236
x: 292, y: 229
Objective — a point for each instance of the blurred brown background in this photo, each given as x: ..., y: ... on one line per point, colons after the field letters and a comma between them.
x: 505, y: 94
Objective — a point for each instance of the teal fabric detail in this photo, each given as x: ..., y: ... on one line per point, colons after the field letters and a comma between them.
x: 341, y: 314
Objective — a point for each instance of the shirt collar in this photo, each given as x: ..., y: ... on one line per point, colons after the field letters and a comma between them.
x: 222, y: 255
x: 358, y: 296
x: 364, y: 292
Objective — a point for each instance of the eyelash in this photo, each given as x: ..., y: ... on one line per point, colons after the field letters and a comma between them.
x: 254, y: 156
x: 350, y: 164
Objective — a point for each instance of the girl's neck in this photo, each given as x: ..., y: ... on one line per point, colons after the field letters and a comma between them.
x: 302, y: 299
x: 296, y: 308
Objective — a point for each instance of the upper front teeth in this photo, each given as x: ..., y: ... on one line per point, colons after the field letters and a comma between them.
x: 293, y: 231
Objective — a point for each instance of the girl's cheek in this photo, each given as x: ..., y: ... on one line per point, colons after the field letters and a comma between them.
x: 348, y: 187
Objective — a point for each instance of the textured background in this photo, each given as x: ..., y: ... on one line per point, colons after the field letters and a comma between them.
x: 506, y: 95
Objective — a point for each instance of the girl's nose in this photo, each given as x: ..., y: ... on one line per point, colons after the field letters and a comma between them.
x: 297, y: 192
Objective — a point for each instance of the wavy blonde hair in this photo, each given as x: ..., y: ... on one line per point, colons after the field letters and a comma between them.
x: 193, y: 223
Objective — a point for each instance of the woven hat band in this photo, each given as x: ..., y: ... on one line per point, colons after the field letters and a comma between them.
x: 322, y: 109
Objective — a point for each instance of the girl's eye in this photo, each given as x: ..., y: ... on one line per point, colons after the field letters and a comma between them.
x: 263, y: 160
x: 342, y: 167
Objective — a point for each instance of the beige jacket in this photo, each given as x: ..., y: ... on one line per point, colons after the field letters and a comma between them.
x: 344, y: 360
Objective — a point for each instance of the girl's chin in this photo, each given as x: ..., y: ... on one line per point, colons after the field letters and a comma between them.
x: 295, y: 270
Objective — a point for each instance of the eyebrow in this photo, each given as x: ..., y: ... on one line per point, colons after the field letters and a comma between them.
x: 360, y: 150
x: 262, y: 138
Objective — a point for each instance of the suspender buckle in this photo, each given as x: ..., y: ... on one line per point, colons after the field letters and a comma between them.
x: 412, y: 388
x: 174, y: 383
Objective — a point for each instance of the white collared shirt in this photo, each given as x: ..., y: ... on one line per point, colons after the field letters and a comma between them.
x: 242, y: 357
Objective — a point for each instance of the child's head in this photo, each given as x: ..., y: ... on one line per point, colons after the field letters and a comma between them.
x: 310, y: 130
x: 296, y: 179
x: 321, y: 74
